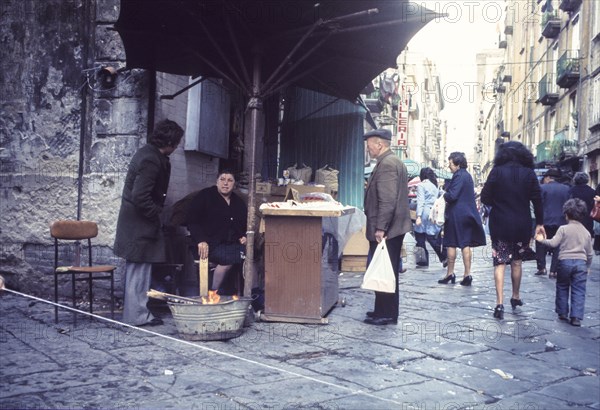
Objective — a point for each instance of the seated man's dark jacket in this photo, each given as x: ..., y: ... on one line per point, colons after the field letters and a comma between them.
x: 211, y: 220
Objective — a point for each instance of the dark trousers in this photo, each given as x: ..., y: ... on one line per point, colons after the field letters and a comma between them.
x: 386, y: 304
x: 434, y: 241
x: 541, y: 250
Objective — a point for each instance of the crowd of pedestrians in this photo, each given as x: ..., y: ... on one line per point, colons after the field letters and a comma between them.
x: 521, y: 211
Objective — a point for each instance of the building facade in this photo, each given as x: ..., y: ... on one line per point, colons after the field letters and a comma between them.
x: 547, y: 85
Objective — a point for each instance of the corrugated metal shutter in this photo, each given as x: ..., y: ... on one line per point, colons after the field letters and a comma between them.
x: 321, y: 130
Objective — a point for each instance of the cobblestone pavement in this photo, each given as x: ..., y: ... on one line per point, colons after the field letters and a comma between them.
x: 446, y: 352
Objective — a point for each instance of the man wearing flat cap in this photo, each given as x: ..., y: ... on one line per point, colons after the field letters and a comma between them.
x: 386, y: 208
x: 554, y: 196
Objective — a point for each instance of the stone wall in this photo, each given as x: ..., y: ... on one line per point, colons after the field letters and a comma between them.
x: 54, y: 109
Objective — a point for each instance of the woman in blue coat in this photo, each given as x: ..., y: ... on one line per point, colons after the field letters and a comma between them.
x: 462, y: 227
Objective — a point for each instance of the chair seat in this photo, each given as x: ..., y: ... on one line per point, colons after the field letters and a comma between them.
x: 85, y: 269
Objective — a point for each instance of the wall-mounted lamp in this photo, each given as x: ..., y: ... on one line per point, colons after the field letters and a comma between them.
x: 107, y: 76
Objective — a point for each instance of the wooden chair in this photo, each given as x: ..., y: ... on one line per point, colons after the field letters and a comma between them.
x: 75, y: 231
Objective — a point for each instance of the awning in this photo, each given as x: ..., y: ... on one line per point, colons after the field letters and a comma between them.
x: 331, y: 46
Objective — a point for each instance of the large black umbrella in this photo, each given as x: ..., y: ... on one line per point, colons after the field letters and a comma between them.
x: 332, y: 46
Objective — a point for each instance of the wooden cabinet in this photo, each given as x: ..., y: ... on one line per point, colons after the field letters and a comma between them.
x: 301, y: 265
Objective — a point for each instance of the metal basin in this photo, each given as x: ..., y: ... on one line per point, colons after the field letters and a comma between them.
x: 219, y: 321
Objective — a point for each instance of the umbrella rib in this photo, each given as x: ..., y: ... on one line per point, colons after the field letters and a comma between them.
x: 225, y: 59
x: 238, y: 54
x: 282, y: 84
x: 290, y: 54
x: 277, y: 84
x: 271, y: 84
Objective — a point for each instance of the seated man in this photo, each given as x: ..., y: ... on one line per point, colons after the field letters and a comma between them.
x: 216, y: 219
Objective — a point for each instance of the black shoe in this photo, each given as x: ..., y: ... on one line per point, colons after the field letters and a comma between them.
x: 467, y: 281
x: 422, y: 265
x: 575, y: 322
x: 515, y: 302
x: 450, y: 278
x: 154, y: 322
x: 381, y: 321
x: 540, y: 272
x: 499, y: 312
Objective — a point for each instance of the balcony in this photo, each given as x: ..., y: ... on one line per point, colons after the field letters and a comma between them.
x: 550, y: 24
x: 569, y: 5
x: 508, y: 30
x: 507, y: 78
x: 547, y: 90
x: 567, y: 69
x: 502, y: 44
x: 543, y: 152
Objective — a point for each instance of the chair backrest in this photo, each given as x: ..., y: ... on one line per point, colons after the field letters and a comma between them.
x: 73, y: 230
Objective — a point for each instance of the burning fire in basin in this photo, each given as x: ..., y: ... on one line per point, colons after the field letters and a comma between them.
x: 213, y: 317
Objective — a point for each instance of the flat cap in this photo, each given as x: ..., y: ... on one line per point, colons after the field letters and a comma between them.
x: 554, y: 173
x: 381, y: 133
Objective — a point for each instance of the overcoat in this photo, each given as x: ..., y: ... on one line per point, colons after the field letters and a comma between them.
x: 386, y: 198
x: 508, y: 190
x: 139, y: 235
x: 463, y: 224
x: 554, y: 196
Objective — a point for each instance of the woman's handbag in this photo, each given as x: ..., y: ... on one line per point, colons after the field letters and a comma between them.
x: 380, y: 273
x: 595, y: 214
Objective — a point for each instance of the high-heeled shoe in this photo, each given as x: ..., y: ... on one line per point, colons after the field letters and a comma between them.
x: 449, y: 278
x: 467, y: 281
x: 515, y: 302
x: 499, y: 312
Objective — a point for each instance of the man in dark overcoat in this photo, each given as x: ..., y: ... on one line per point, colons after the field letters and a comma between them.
x: 388, y: 216
x: 554, y: 196
x: 139, y: 237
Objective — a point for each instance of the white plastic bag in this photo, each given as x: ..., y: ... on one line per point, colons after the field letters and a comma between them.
x: 380, y: 273
x: 436, y: 215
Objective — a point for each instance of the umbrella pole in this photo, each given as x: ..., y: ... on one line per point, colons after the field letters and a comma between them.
x: 255, y: 107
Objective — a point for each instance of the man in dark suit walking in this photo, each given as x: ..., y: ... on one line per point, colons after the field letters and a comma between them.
x: 554, y: 196
x: 388, y: 216
x: 139, y: 237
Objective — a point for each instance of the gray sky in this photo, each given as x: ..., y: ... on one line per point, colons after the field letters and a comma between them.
x: 452, y: 42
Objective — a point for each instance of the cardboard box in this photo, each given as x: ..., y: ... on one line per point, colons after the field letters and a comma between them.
x: 357, y: 244
x: 352, y: 263
x: 301, y: 189
x: 263, y: 188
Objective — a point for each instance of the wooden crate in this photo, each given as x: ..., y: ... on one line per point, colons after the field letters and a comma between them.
x: 354, y: 263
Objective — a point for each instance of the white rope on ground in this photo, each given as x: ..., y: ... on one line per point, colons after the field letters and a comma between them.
x: 185, y: 342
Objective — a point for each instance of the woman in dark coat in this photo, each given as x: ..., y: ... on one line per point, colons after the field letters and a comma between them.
x: 583, y: 191
x: 462, y: 227
x: 509, y: 189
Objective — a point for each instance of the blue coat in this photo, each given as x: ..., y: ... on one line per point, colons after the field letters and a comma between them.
x: 463, y: 224
x: 427, y: 193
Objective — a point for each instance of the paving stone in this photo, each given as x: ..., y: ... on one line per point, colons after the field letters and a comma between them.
x: 483, y: 381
